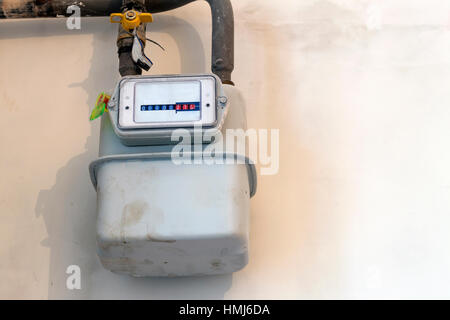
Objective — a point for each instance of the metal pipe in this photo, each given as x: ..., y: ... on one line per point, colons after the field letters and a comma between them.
x: 221, y: 11
x: 11, y: 9
x: 222, y: 39
x: 127, y: 67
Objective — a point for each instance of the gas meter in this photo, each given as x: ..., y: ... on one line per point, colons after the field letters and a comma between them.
x: 157, y: 215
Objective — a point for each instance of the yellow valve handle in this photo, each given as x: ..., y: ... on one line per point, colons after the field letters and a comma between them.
x: 131, y: 19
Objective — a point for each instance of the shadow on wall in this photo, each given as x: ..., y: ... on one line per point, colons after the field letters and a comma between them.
x: 69, y: 207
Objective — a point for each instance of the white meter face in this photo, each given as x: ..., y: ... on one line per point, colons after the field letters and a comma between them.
x: 167, y: 102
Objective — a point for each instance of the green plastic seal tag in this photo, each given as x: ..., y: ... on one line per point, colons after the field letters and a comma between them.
x: 100, y: 106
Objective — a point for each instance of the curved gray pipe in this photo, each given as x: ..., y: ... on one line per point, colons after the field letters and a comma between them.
x: 221, y: 11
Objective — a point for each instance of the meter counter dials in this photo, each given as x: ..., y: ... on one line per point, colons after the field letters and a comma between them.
x: 148, y: 110
x: 167, y: 102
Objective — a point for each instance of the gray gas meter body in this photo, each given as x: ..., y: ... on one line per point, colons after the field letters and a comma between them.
x: 172, y: 198
x: 160, y: 218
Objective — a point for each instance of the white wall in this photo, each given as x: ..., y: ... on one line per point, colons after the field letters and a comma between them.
x: 359, y: 90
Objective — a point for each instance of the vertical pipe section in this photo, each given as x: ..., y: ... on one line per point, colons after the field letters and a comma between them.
x: 222, y: 39
x: 127, y: 67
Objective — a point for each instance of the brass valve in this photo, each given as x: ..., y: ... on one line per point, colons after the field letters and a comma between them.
x: 131, y: 19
